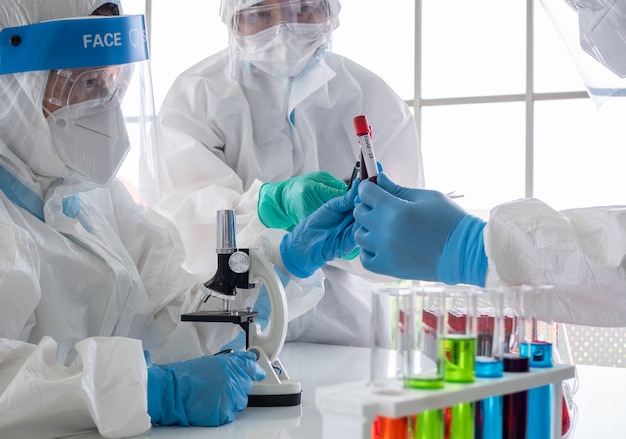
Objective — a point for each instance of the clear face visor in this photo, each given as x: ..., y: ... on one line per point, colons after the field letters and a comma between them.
x: 101, y: 123
x: 99, y: 118
x: 267, y: 14
x: 594, y: 32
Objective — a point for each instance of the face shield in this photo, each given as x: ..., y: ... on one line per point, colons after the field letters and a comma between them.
x: 594, y: 32
x: 96, y: 98
x: 280, y: 38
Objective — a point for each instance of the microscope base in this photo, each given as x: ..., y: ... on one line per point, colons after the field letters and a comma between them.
x: 287, y: 393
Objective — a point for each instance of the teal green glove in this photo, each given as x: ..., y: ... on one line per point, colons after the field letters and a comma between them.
x: 353, y: 254
x: 206, y: 391
x: 283, y: 205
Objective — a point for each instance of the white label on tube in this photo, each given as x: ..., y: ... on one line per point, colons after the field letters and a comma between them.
x: 368, y: 155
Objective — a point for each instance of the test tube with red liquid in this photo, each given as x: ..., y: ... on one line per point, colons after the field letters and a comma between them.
x: 369, y: 166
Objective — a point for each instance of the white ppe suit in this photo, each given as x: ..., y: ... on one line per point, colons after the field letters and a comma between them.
x: 88, y: 280
x: 582, y: 252
x: 220, y: 140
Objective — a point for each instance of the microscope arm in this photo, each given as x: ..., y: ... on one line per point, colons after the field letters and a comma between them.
x: 272, y: 342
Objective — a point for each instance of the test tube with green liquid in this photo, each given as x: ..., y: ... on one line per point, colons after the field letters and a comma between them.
x: 425, y: 361
x: 459, y: 345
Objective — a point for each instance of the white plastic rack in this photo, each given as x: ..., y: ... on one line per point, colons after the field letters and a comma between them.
x: 348, y: 410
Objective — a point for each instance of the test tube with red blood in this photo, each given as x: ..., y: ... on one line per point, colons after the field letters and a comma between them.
x: 369, y: 166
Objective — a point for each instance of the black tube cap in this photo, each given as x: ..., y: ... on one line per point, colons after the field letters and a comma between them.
x: 515, y: 363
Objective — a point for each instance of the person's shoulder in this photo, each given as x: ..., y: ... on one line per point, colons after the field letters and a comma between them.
x: 369, y: 83
x: 342, y: 63
x: 209, y: 74
x: 213, y: 66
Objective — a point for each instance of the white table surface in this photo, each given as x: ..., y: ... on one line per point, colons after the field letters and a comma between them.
x: 601, y: 402
x: 601, y: 399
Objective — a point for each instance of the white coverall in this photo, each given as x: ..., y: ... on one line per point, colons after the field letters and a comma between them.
x: 220, y: 141
x: 582, y: 252
x: 83, y: 292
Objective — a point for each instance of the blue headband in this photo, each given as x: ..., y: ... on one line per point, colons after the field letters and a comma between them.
x: 93, y: 41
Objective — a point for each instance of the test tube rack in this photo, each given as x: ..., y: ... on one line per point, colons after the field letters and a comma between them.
x: 349, y: 409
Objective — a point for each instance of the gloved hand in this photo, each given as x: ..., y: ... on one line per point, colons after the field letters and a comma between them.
x: 206, y: 391
x: 418, y: 234
x: 325, y: 235
x: 283, y: 205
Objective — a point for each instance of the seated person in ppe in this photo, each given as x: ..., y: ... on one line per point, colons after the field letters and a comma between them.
x: 423, y: 234
x: 267, y: 123
x: 91, y: 280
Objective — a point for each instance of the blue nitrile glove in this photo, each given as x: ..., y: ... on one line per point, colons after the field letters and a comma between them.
x: 418, y: 234
x: 284, y: 204
x: 325, y: 235
x: 206, y: 391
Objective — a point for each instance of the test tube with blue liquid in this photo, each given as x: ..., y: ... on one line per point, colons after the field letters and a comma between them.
x: 537, y: 346
x: 460, y: 353
x: 490, y: 346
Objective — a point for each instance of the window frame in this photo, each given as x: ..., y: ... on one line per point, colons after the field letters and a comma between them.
x: 529, y: 97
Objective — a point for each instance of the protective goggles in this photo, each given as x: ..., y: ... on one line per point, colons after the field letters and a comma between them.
x: 103, y: 87
x: 253, y: 19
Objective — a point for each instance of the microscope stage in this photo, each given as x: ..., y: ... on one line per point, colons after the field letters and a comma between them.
x: 236, y: 316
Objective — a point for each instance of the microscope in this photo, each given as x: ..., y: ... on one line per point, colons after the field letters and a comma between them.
x: 241, y: 268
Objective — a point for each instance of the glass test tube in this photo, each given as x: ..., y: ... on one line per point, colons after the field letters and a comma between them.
x: 390, y: 428
x: 515, y: 405
x: 538, y: 344
x: 562, y: 354
x: 425, y: 360
x: 390, y: 310
x: 460, y: 352
x: 490, y: 345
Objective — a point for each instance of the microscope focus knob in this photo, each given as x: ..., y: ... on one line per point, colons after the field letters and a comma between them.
x: 239, y: 262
